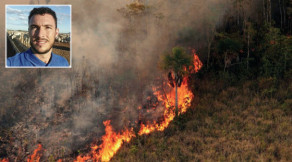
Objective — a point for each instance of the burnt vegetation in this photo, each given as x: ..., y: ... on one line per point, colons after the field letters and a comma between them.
x: 242, y: 105
x: 242, y: 108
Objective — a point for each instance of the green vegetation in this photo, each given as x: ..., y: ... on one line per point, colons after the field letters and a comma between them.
x: 243, y: 93
x: 177, y: 61
x: 242, y: 107
x: 246, y: 122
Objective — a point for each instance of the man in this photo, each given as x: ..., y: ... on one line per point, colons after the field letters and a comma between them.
x: 42, y: 32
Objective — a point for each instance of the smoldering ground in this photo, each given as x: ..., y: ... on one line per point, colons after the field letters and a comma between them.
x: 116, y: 49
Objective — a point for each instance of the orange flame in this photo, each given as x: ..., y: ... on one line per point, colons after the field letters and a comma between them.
x: 184, y: 100
x: 4, y: 160
x: 185, y: 97
x: 35, y: 157
x: 196, y: 62
x: 112, y: 141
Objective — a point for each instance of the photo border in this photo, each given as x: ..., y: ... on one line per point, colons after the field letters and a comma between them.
x: 40, y: 5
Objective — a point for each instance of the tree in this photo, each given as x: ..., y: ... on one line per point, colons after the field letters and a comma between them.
x: 250, y: 32
x: 229, y: 47
x: 275, y: 53
x: 176, y: 62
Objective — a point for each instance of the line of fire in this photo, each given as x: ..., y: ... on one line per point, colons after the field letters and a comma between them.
x: 153, y: 80
x: 174, y: 101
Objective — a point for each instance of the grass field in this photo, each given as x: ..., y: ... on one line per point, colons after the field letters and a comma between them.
x: 248, y: 122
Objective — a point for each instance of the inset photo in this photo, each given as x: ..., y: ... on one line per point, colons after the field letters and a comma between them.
x: 38, y: 36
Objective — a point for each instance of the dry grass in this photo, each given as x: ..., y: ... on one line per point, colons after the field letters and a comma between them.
x: 244, y: 123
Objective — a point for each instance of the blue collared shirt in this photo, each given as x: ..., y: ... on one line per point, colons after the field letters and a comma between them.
x: 27, y: 58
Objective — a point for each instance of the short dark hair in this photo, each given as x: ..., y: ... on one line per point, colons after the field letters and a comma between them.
x: 42, y: 11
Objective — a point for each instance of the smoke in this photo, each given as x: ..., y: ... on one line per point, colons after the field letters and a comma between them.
x: 116, y: 49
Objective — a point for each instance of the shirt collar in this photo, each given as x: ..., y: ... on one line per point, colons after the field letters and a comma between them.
x: 34, y: 60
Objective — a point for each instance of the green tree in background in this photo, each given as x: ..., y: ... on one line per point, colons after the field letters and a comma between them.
x: 275, y: 53
x: 229, y: 47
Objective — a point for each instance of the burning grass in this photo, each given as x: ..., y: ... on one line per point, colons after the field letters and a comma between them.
x: 234, y: 124
x: 160, y: 100
x: 112, y: 141
x: 229, y: 123
x: 37, y: 153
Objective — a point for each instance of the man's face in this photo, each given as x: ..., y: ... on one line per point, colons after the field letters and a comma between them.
x: 42, y: 33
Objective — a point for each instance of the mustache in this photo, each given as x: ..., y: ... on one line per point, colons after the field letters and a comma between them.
x: 41, y: 39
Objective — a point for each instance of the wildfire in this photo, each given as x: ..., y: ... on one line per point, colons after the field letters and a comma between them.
x: 35, y: 157
x: 112, y: 141
x: 185, y: 97
x: 184, y: 100
x: 196, y: 62
x: 4, y: 160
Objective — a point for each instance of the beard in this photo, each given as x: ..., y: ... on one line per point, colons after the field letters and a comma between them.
x: 39, y: 52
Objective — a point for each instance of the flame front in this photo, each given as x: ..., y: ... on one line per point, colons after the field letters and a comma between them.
x: 184, y: 101
x: 36, y: 156
x: 111, y: 142
x: 185, y: 97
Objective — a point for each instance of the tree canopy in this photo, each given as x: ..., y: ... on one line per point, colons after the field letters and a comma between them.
x: 177, y: 61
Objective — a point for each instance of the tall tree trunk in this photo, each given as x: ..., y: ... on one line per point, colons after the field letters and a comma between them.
x: 210, y: 40
x: 283, y: 6
x: 238, y: 13
x: 281, y: 15
x: 270, y: 12
x: 244, y: 25
x: 285, y: 63
x: 264, y: 9
x: 267, y: 11
x: 176, y: 101
x: 284, y: 13
x: 247, y: 50
x: 209, y: 51
x: 225, y: 60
